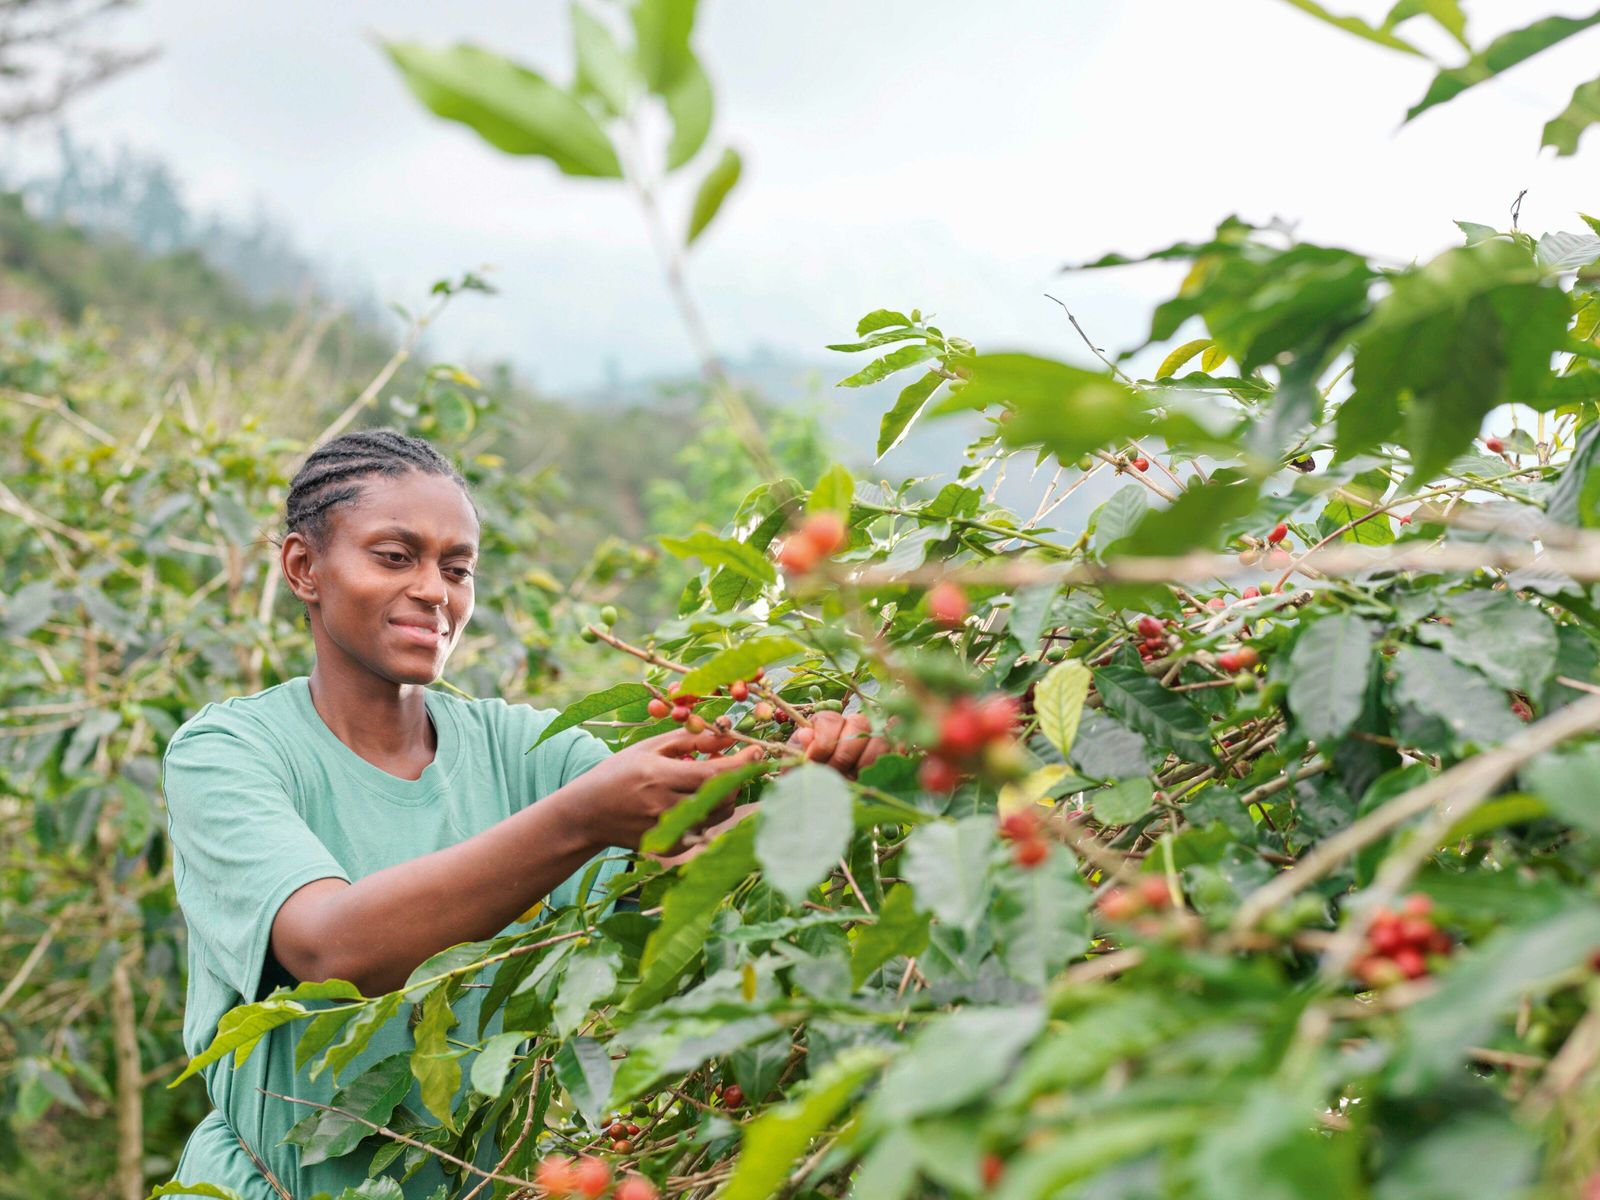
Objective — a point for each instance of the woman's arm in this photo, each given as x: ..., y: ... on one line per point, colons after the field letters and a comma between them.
x: 375, y: 932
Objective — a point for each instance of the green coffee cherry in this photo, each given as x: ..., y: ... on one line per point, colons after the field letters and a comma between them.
x: 588, y: 635
x: 608, y: 615
x: 1055, y: 654
x: 828, y: 706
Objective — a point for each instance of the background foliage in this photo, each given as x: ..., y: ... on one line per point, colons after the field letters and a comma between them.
x: 1280, y: 883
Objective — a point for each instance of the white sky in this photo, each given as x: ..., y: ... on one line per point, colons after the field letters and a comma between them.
x: 944, y: 154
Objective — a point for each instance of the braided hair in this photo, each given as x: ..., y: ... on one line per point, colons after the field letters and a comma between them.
x: 332, y: 475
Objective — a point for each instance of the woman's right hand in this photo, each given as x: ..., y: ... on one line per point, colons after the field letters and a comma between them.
x: 626, y: 794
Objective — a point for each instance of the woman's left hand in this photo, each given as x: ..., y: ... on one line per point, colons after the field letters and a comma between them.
x: 844, y: 743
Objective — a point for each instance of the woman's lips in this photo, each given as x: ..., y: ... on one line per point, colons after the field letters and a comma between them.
x: 430, y: 638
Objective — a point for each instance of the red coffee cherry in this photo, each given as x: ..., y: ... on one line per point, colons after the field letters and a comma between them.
x: 947, y: 605
x: 992, y: 1168
x: 681, y: 713
x: 636, y: 1187
x: 826, y: 531
x: 733, y: 1096
x: 591, y: 1176
x: 658, y: 708
x: 1151, y: 627
x: 1154, y: 892
x: 1279, y: 532
x: 1494, y: 445
x: 1030, y: 852
x: 961, y: 729
x: 556, y: 1175
x: 1020, y: 826
x: 1141, y: 463
x: 739, y: 690
x: 938, y: 775
x: 798, y: 555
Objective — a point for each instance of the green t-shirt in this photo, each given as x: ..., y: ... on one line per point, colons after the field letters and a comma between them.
x: 262, y: 799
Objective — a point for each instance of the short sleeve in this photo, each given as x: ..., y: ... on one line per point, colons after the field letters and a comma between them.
x: 240, y: 847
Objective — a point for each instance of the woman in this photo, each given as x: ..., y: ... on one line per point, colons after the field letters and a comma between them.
x: 349, y: 824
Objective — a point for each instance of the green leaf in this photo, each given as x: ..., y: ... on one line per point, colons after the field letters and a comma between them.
x: 1042, y: 919
x: 1123, y: 802
x: 436, y: 1066
x: 492, y: 1064
x: 954, y: 1059
x: 899, y: 930
x: 514, y: 109
x: 1569, y: 785
x: 382, y: 1188
x: 805, y: 827
x: 1065, y: 409
x: 372, y: 1017
x: 1503, y: 53
x: 774, y: 1141
x: 373, y: 1095
x: 1357, y: 26
x: 240, y: 1029
x: 319, y: 1031
x: 604, y: 68
x: 898, y: 420
x: 1575, y: 499
x: 1119, y: 516
x: 880, y: 318
x: 717, y: 551
x: 714, y: 189
x: 1509, y: 640
x: 590, y: 977
x: 895, y: 360
x: 215, y: 1191
x: 1058, y: 701
x: 1447, y: 14
x: 1328, y: 672
x: 594, y: 705
x: 661, y: 31
x: 689, y: 812
x: 1198, y: 517
x: 1566, y: 251
x: 583, y: 1067
x: 738, y: 662
x: 687, y: 913
x: 948, y: 865
x: 1485, y: 985
x: 1265, y: 1148
x: 1175, y: 361
x: 1472, y: 329
x: 1164, y: 717
x: 833, y: 493
x: 690, y: 104
x: 1476, y: 713
x: 235, y: 521
x: 1472, y: 1154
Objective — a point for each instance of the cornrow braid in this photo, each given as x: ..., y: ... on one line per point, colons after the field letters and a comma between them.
x: 333, y: 473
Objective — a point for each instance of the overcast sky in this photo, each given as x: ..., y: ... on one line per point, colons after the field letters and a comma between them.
x: 945, y: 154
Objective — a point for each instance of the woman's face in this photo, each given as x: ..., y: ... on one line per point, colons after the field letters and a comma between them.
x: 392, y: 590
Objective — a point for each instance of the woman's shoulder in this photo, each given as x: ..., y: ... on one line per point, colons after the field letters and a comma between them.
x: 506, y: 720
x: 251, y: 717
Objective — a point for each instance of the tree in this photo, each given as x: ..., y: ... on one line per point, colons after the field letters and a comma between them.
x: 51, y: 53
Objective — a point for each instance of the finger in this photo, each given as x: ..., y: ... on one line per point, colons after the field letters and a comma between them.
x: 852, y: 745
x: 825, y: 728
x: 875, y: 748
x: 731, y: 762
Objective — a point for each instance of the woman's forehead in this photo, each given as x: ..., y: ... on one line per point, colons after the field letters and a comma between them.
x: 431, y: 507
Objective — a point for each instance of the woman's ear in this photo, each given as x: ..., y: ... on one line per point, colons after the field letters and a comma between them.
x: 297, y: 560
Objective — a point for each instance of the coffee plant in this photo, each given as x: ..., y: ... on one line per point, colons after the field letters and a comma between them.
x: 1242, y: 841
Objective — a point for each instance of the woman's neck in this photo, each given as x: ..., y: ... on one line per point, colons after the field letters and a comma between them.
x: 385, y: 723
